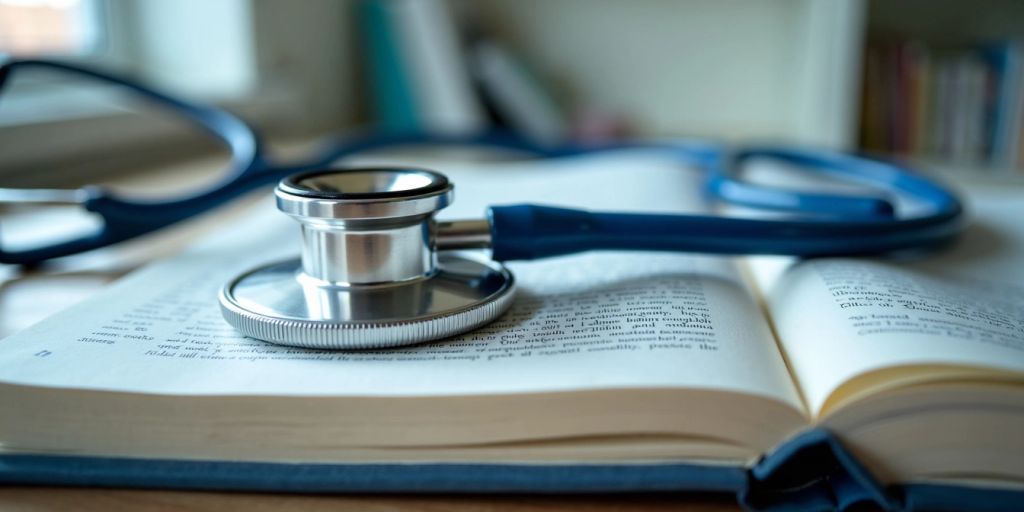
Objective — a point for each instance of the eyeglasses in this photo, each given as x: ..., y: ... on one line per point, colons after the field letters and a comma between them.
x: 122, y: 218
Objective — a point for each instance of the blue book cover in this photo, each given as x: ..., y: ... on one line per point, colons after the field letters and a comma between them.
x: 812, y: 472
x: 1007, y: 104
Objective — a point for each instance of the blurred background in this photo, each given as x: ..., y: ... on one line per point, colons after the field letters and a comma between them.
x: 940, y: 82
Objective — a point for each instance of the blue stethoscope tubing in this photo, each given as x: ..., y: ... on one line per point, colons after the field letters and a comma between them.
x: 827, y: 225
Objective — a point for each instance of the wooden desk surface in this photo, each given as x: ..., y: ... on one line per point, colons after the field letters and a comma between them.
x: 27, y: 297
x: 22, y: 499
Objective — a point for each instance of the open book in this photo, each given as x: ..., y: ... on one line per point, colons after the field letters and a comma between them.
x: 624, y: 360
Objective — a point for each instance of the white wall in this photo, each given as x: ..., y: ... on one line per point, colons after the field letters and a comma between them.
x: 310, y: 44
x: 196, y: 47
x: 733, y: 69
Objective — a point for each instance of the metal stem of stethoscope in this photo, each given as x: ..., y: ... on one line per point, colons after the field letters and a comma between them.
x: 370, y: 274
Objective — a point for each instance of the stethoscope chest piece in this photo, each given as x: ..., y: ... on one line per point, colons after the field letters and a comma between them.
x: 369, y: 275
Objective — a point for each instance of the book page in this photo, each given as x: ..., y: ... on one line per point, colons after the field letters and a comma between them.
x: 961, y: 307
x: 590, y: 321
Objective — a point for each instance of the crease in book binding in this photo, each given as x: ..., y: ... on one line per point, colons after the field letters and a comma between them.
x: 813, y: 471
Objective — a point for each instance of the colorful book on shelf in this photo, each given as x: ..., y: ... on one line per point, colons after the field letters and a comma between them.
x: 960, y: 103
x: 390, y: 85
x: 1008, y: 109
x: 818, y: 385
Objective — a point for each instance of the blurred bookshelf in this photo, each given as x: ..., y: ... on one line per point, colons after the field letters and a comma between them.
x: 942, y: 83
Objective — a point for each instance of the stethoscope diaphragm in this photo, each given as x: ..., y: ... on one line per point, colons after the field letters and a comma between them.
x: 369, y: 275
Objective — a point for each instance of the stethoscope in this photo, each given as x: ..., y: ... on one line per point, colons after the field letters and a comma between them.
x: 378, y: 270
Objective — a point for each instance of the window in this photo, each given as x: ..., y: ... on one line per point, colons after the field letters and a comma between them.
x: 53, y: 122
x: 50, y: 27
x: 286, y: 66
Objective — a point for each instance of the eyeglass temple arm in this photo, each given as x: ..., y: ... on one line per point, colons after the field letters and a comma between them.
x: 125, y: 219
x: 122, y: 219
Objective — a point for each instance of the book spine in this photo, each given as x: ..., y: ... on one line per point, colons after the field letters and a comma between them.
x: 394, y: 106
x: 872, y: 113
x: 894, y: 100
x: 902, y: 103
x: 517, y: 95
x: 430, y: 44
x: 920, y: 99
x: 1011, y: 110
x: 975, y: 74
